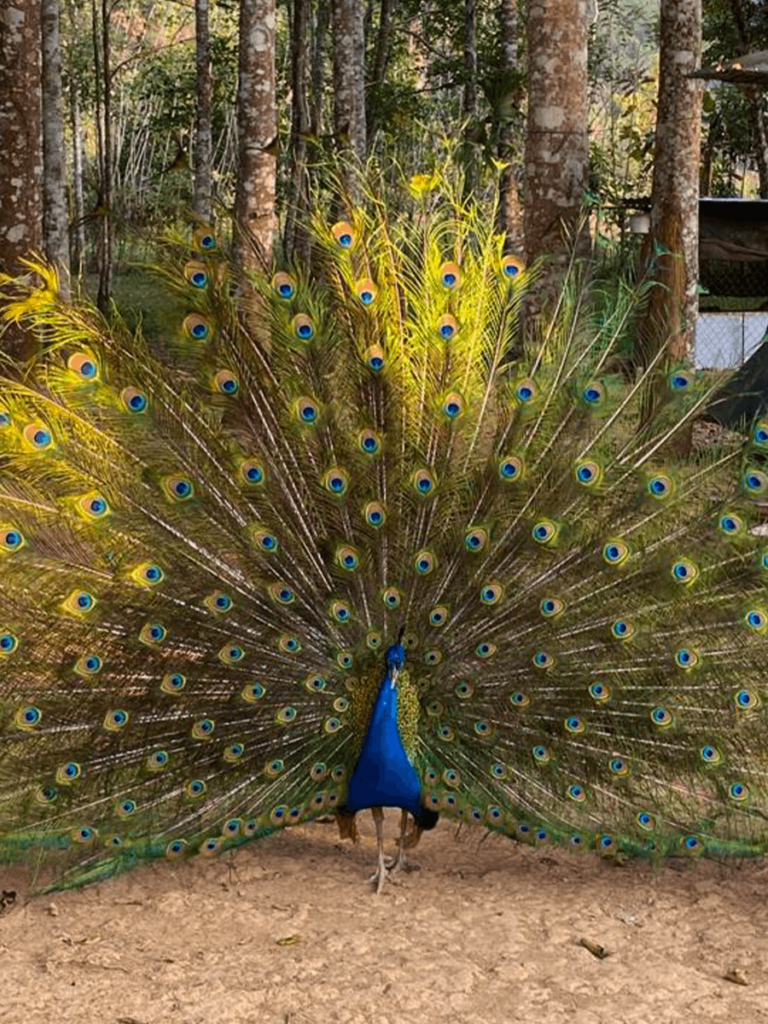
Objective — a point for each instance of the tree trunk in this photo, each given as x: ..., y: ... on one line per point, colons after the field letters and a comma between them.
x: 510, y: 211
x: 202, y: 202
x: 103, y: 74
x: 755, y: 96
x: 349, y: 79
x: 379, y: 69
x: 255, y: 216
x: 673, y: 308
x: 296, y: 236
x: 55, y: 216
x: 21, y: 225
x: 318, y: 70
x: 557, y: 144
x: 469, y: 98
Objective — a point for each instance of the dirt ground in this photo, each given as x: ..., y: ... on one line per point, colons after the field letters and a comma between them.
x: 286, y: 931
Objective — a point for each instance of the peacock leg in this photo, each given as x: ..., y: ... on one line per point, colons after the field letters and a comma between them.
x: 380, y: 874
x: 400, y: 862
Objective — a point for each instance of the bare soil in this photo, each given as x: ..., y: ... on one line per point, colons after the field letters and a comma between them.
x: 287, y: 931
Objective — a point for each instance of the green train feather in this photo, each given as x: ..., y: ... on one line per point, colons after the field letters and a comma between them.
x: 208, y: 547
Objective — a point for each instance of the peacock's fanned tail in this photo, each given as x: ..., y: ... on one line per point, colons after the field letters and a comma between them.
x: 207, y: 544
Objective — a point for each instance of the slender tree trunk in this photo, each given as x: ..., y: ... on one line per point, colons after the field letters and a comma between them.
x: 379, y: 70
x: 202, y: 202
x: 296, y: 236
x: 256, y: 220
x: 77, y: 218
x: 469, y: 97
x: 21, y: 225
x: 756, y: 97
x: 77, y: 240
x: 55, y: 217
x: 349, y: 124
x: 510, y: 210
x: 673, y: 308
x: 318, y: 70
x: 557, y: 144
x: 102, y: 62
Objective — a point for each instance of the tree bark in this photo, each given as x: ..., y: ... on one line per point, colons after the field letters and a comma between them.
x: 379, y: 69
x: 202, y: 202
x: 673, y: 308
x: 510, y: 210
x: 55, y: 215
x: 21, y: 159
x: 318, y: 70
x: 557, y: 144
x: 102, y: 65
x: 349, y: 124
x: 469, y: 98
x: 296, y: 237
x: 755, y: 96
x: 255, y: 215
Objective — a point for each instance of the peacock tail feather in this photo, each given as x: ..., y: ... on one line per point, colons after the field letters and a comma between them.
x: 207, y: 545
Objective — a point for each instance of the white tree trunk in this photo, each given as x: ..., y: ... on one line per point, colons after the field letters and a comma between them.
x: 349, y: 76
x: 257, y: 135
x: 557, y: 144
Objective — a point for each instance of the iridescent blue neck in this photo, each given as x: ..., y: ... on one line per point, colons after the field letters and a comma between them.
x: 384, y: 776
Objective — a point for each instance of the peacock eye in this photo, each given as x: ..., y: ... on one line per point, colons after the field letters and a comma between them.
x: 366, y: 292
x: 447, y: 327
x: 345, y: 235
x: 133, y: 400
x: 450, y: 275
x: 226, y: 383
x: 196, y: 327
x: 284, y: 285
x: 303, y: 327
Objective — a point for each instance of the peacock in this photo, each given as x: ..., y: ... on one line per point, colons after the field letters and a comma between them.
x: 368, y: 533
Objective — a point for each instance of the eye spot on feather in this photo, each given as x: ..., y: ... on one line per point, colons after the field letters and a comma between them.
x: 197, y: 327
x: 392, y: 598
x: 369, y: 442
x: 153, y: 633
x: 9, y: 642
x: 12, y: 539
x: 133, y: 400
x: 366, y: 291
x: 447, y: 327
x: 375, y: 514
x: 37, y: 437
x: 375, y: 359
x: 84, y: 365
x: 284, y: 285
x: 204, y: 238
x: 512, y: 266
x: 307, y: 411
x: 511, y: 468
x: 336, y: 482
x: 148, y: 574
x: 425, y: 563
x: 173, y: 682
x: 303, y: 327
x: 345, y: 235
x: 226, y: 383
x: 450, y: 275
x: 195, y: 273
x: 28, y: 718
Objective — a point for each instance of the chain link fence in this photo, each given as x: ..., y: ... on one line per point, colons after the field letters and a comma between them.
x: 726, y: 340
